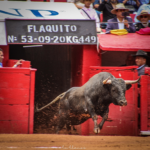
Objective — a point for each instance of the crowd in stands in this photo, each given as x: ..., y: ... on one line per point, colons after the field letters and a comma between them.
x: 114, y: 13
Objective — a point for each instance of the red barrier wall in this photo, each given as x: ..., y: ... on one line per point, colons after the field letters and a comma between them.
x: 145, y: 100
x: 17, y: 100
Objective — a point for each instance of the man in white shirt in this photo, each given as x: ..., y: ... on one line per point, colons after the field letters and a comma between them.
x: 90, y: 13
x: 120, y: 22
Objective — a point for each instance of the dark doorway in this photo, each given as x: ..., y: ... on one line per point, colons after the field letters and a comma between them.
x: 53, y: 76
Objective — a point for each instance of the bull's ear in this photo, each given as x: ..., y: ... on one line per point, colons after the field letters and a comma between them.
x: 128, y: 86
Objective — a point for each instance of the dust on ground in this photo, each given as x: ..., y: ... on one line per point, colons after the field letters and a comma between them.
x: 60, y: 142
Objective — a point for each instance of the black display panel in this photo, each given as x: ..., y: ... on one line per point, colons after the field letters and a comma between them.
x: 51, y: 31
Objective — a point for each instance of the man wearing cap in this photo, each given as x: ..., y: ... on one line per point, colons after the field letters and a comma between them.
x: 144, y: 18
x: 119, y: 22
x: 140, y: 60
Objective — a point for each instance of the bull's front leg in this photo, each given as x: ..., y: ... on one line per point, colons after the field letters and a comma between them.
x: 93, y: 115
x: 105, y: 117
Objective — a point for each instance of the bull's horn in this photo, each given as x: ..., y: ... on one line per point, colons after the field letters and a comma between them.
x: 132, y: 81
x: 107, y: 81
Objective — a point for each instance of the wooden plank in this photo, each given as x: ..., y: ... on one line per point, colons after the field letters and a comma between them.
x: 14, y: 127
x: 14, y: 80
x: 14, y: 96
x: 14, y: 112
x: 31, y: 105
x: 144, y: 103
x: 15, y: 70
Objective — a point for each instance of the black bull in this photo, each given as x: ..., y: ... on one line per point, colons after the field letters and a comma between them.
x: 93, y: 98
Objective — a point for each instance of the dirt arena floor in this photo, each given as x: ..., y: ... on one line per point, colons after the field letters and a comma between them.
x: 70, y: 142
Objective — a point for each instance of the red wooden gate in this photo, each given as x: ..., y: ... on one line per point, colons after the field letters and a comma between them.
x: 145, y: 100
x: 17, y: 100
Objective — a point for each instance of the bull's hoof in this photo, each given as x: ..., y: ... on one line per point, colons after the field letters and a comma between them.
x: 96, y: 130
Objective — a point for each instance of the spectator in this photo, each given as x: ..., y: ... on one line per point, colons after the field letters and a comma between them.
x: 106, y: 7
x: 140, y: 60
x: 144, y: 2
x: 132, y: 5
x: 78, y: 4
x: 119, y: 22
x: 90, y: 13
x: 142, y: 7
x: 1, y: 57
x: 96, y: 5
x: 144, y: 17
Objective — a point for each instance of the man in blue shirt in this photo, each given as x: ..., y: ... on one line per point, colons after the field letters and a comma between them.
x: 140, y: 60
x: 1, y: 57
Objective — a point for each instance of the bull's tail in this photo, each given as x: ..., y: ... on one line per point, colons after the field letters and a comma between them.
x: 56, y: 99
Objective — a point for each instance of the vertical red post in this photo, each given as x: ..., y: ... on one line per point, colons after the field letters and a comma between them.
x: 31, y: 103
x: 144, y: 102
x: 90, y: 58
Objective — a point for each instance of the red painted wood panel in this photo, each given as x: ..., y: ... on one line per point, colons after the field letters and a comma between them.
x: 14, y: 126
x: 124, y: 120
x: 145, y: 122
x: 147, y: 70
x: 128, y: 42
x: 17, y: 100
x: 115, y: 127
x: 15, y: 86
x: 14, y: 80
x: 14, y: 112
x: 144, y: 102
x: 31, y: 106
x: 90, y: 58
x: 14, y: 96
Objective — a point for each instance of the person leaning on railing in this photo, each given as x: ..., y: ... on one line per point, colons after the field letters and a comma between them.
x: 2, y: 57
x: 120, y: 22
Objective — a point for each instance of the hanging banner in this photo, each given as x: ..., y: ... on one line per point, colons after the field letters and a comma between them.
x: 51, y: 31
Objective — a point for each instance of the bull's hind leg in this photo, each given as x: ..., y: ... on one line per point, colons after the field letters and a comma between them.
x: 61, y: 121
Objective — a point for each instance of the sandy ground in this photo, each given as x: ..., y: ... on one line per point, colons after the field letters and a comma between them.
x: 53, y: 141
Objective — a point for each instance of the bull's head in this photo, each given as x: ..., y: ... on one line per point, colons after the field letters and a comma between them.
x: 117, y: 88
